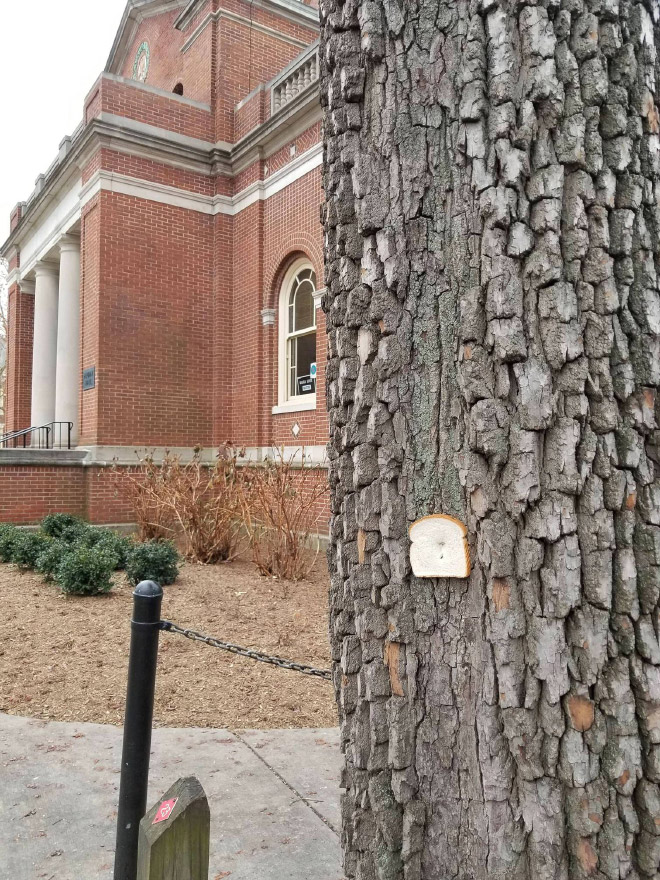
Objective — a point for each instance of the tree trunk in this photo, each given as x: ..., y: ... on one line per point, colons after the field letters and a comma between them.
x: 492, y: 176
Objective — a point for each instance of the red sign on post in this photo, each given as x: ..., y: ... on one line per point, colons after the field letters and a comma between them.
x: 164, y: 811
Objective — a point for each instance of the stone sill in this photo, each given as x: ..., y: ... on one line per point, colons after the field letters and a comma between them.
x: 42, y: 457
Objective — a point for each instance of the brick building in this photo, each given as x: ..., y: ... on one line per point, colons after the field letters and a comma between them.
x: 166, y: 272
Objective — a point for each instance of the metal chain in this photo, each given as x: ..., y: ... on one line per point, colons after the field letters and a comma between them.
x: 168, y: 626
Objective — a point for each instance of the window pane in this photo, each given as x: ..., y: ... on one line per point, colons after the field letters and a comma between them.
x: 304, y: 307
x: 305, y: 356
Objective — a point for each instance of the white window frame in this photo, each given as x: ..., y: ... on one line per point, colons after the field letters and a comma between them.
x: 286, y: 403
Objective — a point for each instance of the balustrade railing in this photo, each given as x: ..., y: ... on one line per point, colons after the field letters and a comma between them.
x: 295, y: 80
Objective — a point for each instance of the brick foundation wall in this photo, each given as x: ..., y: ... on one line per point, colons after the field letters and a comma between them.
x: 30, y: 492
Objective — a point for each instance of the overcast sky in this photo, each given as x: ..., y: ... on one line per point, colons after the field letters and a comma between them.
x: 51, y: 52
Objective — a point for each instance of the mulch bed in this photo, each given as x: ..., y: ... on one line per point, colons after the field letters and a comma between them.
x: 65, y: 658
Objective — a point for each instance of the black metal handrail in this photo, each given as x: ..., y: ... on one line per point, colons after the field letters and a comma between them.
x: 39, y: 437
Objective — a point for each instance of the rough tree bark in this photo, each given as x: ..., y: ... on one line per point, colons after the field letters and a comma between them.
x: 492, y: 221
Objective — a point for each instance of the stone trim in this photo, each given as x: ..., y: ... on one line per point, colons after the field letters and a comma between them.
x: 261, y: 190
x: 127, y: 456
x: 294, y: 406
x: 268, y: 317
x: 160, y: 145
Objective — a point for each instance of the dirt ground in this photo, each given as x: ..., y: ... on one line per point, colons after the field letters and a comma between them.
x: 65, y: 658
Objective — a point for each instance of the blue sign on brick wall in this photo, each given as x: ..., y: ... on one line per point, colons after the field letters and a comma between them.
x: 89, y: 378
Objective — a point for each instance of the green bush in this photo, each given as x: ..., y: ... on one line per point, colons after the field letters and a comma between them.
x: 50, y: 558
x: 118, y: 545
x: 8, y: 534
x: 153, y: 561
x: 57, y: 525
x: 27, y: 547
x: 86, y: 570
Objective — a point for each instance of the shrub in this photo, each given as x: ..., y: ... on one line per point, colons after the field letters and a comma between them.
x: 143, y: 488
x: 202, y: 501
x: 153, y: 561
x: 27, y: 547
x: 86, y: 570
x: 8, y: 534
x: 118, y: 545
x: 280, y: 500
x: 57, y: 525
x: 50, y: 558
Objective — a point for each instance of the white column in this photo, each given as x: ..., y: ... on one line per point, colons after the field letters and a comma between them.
x: 68, y: 337
x: 44, y: 352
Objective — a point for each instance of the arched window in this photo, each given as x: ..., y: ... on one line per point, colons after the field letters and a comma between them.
x: 297, y: 333
x: 178, y: 89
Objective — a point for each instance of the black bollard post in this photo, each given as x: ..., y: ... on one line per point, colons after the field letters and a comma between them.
x: 145, y: 629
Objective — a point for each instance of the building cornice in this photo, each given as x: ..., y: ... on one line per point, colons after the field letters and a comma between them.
x: 161, y: 145
x: 149, y: 190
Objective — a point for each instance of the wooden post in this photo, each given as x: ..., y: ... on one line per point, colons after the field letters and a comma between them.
x: 174, y: 835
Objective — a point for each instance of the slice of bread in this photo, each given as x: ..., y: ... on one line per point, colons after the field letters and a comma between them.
x: 439, y: 547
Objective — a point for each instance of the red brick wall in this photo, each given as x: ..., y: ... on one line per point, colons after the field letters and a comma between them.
x: 168, y: 65
x: 131, y: 101
x: 90, y: 309
x: 291, y: 228
x: 248, y: 57
x: 247, y: 331
x: 223, y: 311
x: 155, y: 381
x: 251, y: 113
x: 19, y: 360
x: 28, y: 493
x: 147, y: 169
x: 104, y: 503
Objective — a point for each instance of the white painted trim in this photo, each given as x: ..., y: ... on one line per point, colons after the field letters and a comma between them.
x: 148, y: 190
x: 318, y: 296
x: 53, y: 236
x: 110, y: 181
x: 294, y: 406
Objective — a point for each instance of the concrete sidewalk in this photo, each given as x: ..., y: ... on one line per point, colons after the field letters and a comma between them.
x: 273, y: 796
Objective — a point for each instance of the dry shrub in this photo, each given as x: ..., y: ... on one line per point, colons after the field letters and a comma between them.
x: 142, y: 486
x: 280, y: 501
x: 197, y: 500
